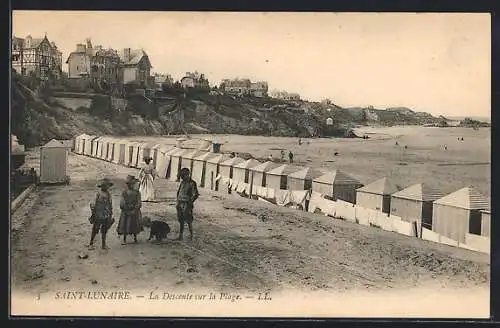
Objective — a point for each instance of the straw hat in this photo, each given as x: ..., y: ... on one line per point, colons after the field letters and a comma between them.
x: 130, y: 179
x: 105, y: 183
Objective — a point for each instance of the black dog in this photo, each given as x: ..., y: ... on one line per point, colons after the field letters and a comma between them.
x: 158, y: 229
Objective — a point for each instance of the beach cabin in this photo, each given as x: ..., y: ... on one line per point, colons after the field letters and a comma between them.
x: 226, y: 170
x: 80, y: 143
x: 212, y: 171
x: 162, y: 165
x: 154, y: 153
x: 110, y: 148
x: 160, y: 162
x: 176, y: 162
x: 277, y: 178
x: 119, y: 151
x: 53, y: 162
x: 377, y: 195
x: 102, y: 147
x: 199, y: 168
x: 486, y: 223
x: 103, y: 144
x: 259, y: 173
x: 302, y: 180
x: 136, y: 152
x: 187, y: 159
x: 459, y: 213
x: 101, y: 150
x: 87, y: 148
x: 145, y: 150
x: 414, y: 204
x: 129, y: 153
x: 337, y: 185
x: 95, y: 146
x: 241, y: 171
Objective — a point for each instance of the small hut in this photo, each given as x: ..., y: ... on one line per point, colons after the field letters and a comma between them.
x: 241, y: 171
x: 111, y: 149
x: 129, y: 153
x: 119, y: 151
x: 259, y: 173
x: 87, y: 145
x: 144, y: 150
x: 459, y: 213
x: 337, y: 185
x: 302, y: 180
x: 414, y: 204
x: 187, y: 158
x: 377, y: 195
x: 95, y: 146
x: 212, y: 171
x: 176, y: 162
x: 136, y: 152
x: 80, y: 143
x: 102, y: 147
x: 486, y: 223
x: 277, y: 178
x: 154, y: 153
x: 163, y: 160
x: 227, y: 170
x: 53, y: 162
x: 199, y: 168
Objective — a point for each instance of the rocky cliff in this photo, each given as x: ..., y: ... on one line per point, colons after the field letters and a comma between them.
x: 37, y: 117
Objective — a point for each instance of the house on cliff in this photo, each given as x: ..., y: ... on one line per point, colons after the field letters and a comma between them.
x: 36, y: 56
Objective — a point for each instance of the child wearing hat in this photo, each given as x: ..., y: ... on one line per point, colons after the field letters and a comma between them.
x: 130, y: 205
x: 186, y: 196
x: 102, y: 213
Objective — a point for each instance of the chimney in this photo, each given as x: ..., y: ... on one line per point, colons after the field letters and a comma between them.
x: 80, y: 47
x: 126, y: 54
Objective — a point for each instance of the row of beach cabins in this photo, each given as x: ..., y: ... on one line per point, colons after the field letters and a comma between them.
x: 460, y: 219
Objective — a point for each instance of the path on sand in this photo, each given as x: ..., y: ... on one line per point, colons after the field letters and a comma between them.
x: 238, y: 244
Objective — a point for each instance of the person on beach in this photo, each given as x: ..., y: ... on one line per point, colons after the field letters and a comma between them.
x: 290, y: 157
x: 102, y: 213
x: 130, y: 205
x: 147, y: 176
x: 187, y: 194
x: 282, y: 155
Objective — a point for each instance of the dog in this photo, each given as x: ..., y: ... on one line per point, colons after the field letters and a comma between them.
x: 157, y: 229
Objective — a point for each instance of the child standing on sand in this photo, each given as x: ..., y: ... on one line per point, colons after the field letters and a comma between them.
x: 187, y: 194
x: 102, y: 212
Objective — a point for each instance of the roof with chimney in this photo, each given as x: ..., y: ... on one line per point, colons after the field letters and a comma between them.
x: 35, y: 42
x: 135, y: 57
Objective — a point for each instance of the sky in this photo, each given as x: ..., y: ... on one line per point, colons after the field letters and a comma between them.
x: 438, y: 63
